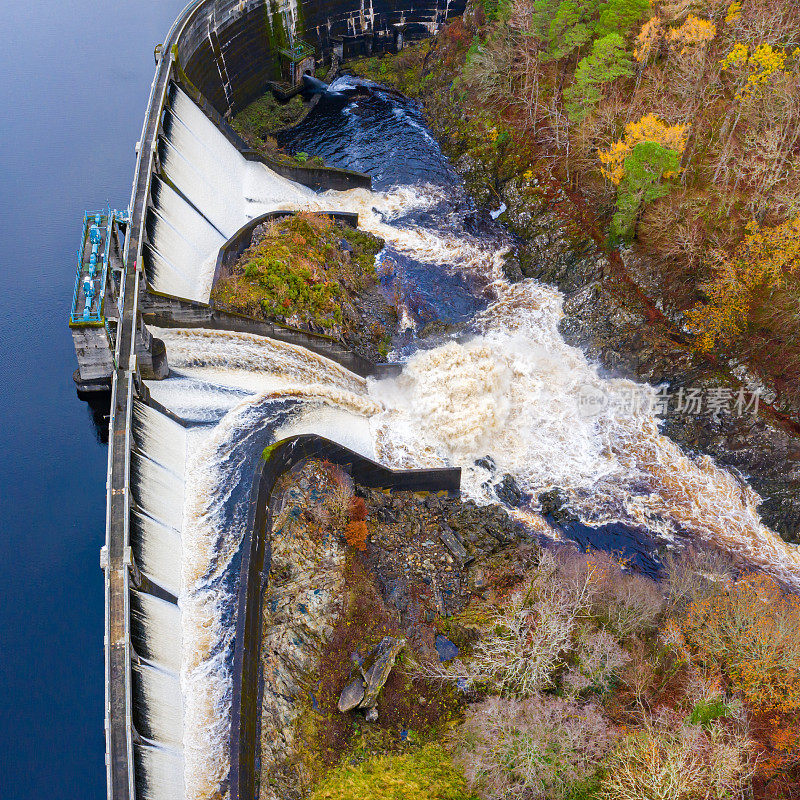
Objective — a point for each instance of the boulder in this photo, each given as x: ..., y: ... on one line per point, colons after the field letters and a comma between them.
x: 352, y: 695
x: 445, y: 649
x: 376, y: 676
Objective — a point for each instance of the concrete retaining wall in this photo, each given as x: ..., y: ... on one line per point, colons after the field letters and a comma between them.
x: 229, y: 49
x: 254, y: 574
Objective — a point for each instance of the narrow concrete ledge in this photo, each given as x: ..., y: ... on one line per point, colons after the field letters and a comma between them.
x: 254, y: 574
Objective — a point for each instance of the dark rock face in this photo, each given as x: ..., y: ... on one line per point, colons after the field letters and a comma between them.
x: 608, y: 319
x: 421, y: 548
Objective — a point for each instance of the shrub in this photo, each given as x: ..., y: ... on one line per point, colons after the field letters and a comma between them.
x: 536, y: 749
x: 358, y: 509
x: 356, y: 534
x: 751, y: 633
x: 764, y: 261
x: 696, y: 574
x: 427, y: 774
x: 598, y: 661
x: 667, y: 759
x: 530, y: 637
x: 625, y: 602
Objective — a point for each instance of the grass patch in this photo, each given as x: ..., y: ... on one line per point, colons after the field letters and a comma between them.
x: 427, y: 774
x: 300, y: 273
x: 258, y: 123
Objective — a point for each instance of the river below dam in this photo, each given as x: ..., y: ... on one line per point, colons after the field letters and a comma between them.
x: 495, y: 390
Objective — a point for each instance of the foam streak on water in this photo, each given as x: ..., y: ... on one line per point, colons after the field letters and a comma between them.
x: 514, y: 392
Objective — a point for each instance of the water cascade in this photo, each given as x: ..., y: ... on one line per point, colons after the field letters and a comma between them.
x: 156, y: 630
x: 504, y: 385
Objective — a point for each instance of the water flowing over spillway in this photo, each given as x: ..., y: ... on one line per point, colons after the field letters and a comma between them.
x: 506, y: 387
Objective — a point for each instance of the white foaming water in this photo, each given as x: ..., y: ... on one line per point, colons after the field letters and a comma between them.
x: 161, y: 773
x: 156, y: 630
x: 514, y: 392
x: 229, y: 191
x: 242, y: 383
x: 158, y: 704
x: 157, y: 550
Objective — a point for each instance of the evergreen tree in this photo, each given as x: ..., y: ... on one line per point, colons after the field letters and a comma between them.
x: 643, y: 182
x: 569, y: 27
x: 620, y: 16
x: 607, y: 62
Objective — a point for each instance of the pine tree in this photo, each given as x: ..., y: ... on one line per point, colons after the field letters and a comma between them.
x: 607, y: 62
x: 620, y: 16
x: 643, y: 182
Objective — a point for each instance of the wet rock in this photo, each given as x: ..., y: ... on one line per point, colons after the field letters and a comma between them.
x: 479, y: 579
x: 554, y: 507
x: 445, y: 649
x: 487, y: 462
x: 453, y: 545
x: 509, y: 492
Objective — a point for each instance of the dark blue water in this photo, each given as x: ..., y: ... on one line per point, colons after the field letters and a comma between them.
x: 76, y: 77
x: 367, y: 127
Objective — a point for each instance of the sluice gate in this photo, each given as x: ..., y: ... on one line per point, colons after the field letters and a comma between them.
x: 188, y: 200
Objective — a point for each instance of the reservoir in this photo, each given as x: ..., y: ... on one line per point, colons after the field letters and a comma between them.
x: 75, y: 82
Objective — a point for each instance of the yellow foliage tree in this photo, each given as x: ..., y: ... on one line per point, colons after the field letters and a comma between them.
x: 763, y: 261
x: 693, y: 35
x: 648, y: 39
x: 648, y: 129
x: 734, y: 12
x: 757, y: 67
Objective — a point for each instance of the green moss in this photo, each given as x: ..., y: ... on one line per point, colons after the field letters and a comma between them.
x: 268, y: 451
x: 427, y: 774
x: 704, y: 713
x: 299, y: 274
x: 257, y: 123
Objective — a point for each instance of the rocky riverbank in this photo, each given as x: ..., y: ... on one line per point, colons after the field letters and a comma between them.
x: 418, y: 646
x: 711, y: 404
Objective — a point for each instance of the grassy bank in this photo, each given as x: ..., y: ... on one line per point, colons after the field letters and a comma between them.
x: 312, y: 273
x: 258, y: 123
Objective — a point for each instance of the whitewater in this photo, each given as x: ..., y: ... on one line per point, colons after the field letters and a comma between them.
x: 505, y: 396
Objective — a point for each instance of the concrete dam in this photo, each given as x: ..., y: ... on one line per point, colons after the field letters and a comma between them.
x: 208, y: 409
x: 197, y: 191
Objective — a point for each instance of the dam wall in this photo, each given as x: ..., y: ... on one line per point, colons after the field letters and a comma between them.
x: 224, y: 52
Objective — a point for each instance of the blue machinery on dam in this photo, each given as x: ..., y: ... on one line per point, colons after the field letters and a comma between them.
x: 222, y: 53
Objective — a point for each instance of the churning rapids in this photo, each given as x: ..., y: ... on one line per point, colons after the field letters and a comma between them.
x: 504, y: 396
